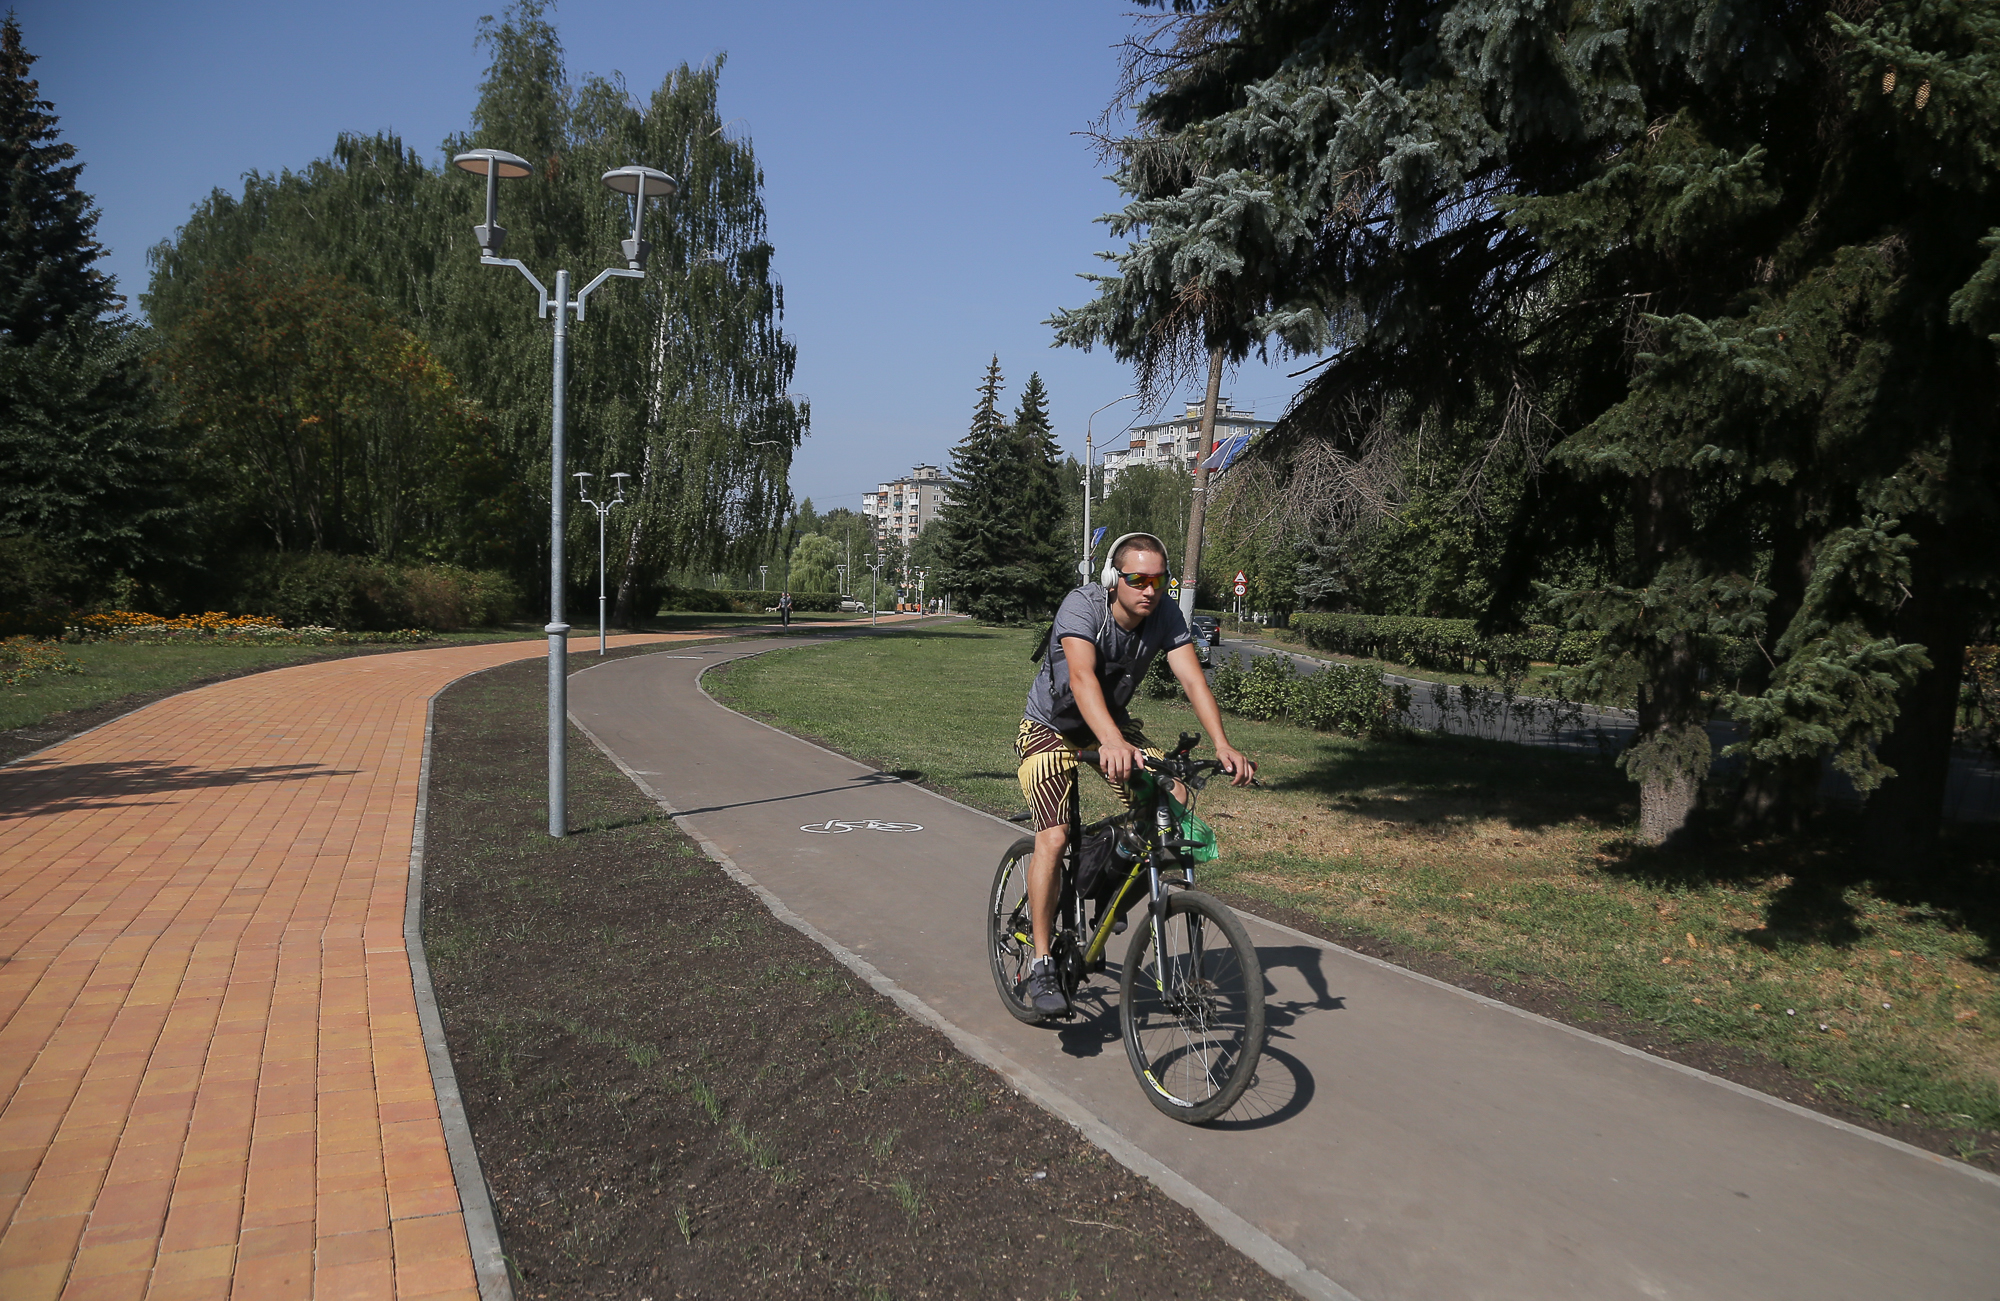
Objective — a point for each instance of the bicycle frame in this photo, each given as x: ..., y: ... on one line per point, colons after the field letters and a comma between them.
x: 1147, y: 865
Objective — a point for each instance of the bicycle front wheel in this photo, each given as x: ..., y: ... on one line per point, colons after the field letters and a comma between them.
x: 1010, y: 932
x: 1192, y: 1005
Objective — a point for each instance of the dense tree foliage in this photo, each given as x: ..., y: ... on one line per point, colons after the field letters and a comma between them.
x: 671, y: 379
x: 1701, y: 297
x: 333, y: 428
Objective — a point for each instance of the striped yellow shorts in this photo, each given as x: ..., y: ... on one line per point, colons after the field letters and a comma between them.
x: 1048, y: 768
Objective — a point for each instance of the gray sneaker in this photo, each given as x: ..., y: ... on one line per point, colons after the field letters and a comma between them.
x: 1045, y: 990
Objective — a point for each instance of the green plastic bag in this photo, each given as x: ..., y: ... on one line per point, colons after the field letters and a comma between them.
x: 1199, y: 835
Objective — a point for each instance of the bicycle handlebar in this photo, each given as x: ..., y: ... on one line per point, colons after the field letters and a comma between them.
x: 1172, y: 767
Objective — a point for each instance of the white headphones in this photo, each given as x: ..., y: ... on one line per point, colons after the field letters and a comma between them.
x: 1109, y: 578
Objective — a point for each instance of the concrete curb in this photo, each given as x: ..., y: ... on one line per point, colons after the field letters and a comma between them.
x: 475, y: 1197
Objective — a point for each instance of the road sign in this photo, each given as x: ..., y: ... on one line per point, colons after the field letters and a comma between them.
x: 1174, y: 590
x: 1241, y: 588
x: 1240, y: 580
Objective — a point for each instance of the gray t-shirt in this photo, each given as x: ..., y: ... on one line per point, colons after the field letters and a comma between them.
x: 1122, y: 657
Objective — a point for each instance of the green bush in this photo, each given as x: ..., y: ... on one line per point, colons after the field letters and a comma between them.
x: 1226, y: 684
x: 1268, y: 688
x: 354, y: 593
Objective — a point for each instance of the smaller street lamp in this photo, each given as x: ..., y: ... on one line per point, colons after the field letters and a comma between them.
x: 602, y: 509
x: 875, y: 563
x: 763, y: 578
x: 1089, y: 455
x: 841, y: 570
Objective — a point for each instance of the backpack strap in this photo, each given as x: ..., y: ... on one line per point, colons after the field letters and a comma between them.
x: 1045, y: 644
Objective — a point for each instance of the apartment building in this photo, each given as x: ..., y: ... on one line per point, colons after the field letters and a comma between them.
x: 1177, y: 442
x: 902, y: 508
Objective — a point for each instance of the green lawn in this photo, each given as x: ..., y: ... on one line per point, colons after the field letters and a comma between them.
x: 1513, y: 859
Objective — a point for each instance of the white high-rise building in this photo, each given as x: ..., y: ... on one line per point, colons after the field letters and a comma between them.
x: 901, y: 509
x: 1177, y: 442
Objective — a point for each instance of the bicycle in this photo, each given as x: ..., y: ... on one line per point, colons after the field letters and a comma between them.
x: 1191, y: 991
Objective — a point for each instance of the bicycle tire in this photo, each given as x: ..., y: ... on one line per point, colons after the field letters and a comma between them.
x: 1193, y: 1037
x: 1010, y: 940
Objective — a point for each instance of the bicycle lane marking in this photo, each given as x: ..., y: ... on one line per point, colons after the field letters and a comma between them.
x: 837, y: 827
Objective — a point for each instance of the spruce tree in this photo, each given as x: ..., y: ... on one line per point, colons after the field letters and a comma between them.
x: 978, y: 541
x: 48, y: 247
x: 1741, y: 266
x: 1046, y: 562
x: 88, y: 504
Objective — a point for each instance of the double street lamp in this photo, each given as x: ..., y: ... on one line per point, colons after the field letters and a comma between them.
x: 642, y: 183
x: 602, y: 508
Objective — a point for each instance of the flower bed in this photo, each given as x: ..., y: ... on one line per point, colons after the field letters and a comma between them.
x: 219, y: 626
x: 23, y: 658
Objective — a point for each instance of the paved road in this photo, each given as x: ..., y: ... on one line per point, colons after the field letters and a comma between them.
x: 1406, y: 1140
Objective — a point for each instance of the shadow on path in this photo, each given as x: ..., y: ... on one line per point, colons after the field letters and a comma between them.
x: 36, y: 789
x: 858, y: 783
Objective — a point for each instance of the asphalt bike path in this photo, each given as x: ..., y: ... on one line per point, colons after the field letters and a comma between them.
x: 1404, y: 1139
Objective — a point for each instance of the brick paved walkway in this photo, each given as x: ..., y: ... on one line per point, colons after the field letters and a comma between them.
x: 213, y: 1077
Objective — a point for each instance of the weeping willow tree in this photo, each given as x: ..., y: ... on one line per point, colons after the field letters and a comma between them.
x: 672, y: 379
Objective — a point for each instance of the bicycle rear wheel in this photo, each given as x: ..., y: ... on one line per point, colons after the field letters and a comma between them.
x: 1192, y: 1008
x: 1010, y: 934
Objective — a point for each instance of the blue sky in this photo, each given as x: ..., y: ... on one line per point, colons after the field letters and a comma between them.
x: 929, y: 198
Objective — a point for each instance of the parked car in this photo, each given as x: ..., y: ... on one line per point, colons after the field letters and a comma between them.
x: 1206, y: 629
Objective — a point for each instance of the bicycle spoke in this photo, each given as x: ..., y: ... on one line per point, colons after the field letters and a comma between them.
x: 1194, y: 1010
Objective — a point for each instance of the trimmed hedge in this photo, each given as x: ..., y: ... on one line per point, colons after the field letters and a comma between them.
x: 1447, y: 645
x: 1349, y: 698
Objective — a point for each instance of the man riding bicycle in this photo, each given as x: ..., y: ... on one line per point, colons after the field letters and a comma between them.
x: 1104, y: 639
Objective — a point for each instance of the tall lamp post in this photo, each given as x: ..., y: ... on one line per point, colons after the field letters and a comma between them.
x: 875, y: 563
x: 1089, y: 456
x: 602, y: 509
x: 642, y: 183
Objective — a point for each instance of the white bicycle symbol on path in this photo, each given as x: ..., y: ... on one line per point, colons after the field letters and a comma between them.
x: 836, y: 827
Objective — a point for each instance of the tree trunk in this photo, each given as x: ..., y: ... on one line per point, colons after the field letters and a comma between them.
x: 1198, y: 508
x: 1904, y: 815
x: 1670, y: 752
x: 622, y: 612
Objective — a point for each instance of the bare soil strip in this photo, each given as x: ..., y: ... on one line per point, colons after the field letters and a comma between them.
x: 676, y: 1095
